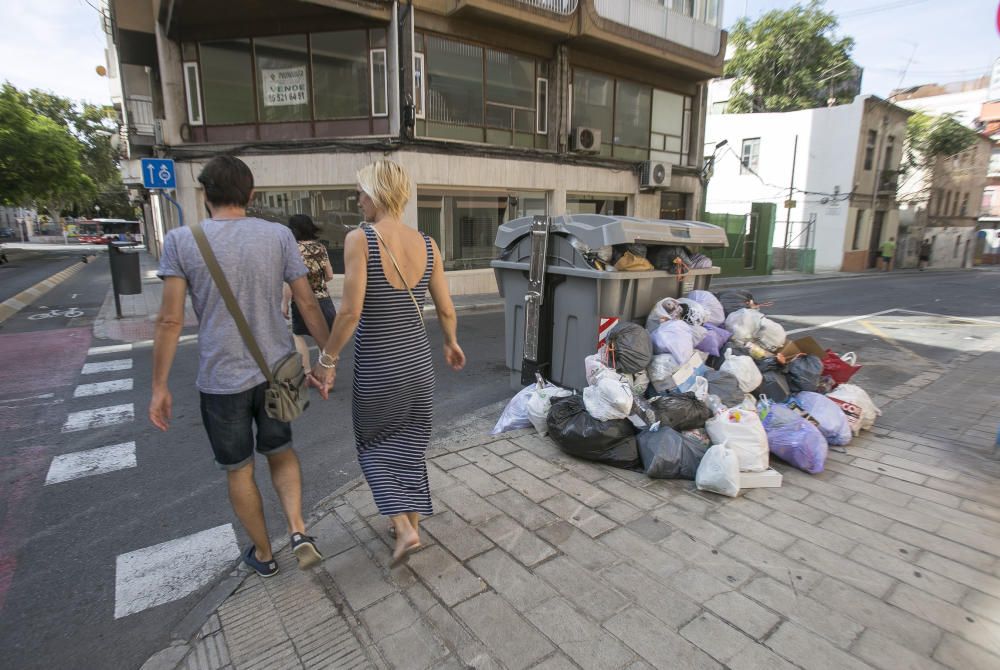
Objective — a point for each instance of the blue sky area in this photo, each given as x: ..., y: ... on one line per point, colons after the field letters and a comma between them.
x: 56, y: 44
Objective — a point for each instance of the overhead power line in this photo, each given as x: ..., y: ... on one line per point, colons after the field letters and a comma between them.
x: 879, y: 8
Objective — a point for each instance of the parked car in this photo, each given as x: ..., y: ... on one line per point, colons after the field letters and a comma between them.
x: 6, y: 232
x: 96, y: 239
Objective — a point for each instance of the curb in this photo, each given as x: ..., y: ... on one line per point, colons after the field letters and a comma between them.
x: 25, y: 298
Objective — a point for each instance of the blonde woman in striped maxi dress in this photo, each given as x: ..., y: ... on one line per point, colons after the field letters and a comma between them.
x: 389, y: 266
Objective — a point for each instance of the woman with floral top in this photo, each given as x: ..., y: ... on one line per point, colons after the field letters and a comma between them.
x: 317, y: 261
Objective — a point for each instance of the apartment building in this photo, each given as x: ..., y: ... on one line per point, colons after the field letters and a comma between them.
x: 497, y: 108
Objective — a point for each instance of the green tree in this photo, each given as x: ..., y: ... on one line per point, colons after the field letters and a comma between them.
x: 929, y: 140
x: 788, y: 60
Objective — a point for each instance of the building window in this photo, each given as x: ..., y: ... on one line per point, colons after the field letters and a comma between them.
x: 685, y: 7
x: 890, y: 141
x: 454, y: 82
x: 510, y: 92
x: 380, y: 83
x: 670, y: 132
x: 718, y: 107
x: 859, y: 219
x: 750, y: 157
x: 542, y: 106
x: 870, y: 149
x: 192, y: 87
x: 674, y: 206
x: 632, y: 111
x: 282, y: 78
x: 954, y: 204
x: 340, y: 74
x: 593, y: 104
x: 419, y: 85
x: 588, y: 203
x: 227, y: 72
x: 947, y: 203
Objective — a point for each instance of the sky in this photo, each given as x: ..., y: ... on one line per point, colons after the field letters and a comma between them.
x: 57, y: 44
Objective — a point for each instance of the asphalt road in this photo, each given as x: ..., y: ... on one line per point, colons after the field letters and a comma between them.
x: 28, y: 267
x: 60, y: 544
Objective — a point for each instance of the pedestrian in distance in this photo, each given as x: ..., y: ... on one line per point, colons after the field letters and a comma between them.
x: 317, y: 260
x: 888, y: 250
x: 925, y: 254
x: 389, y: 267
x: 256, y: 257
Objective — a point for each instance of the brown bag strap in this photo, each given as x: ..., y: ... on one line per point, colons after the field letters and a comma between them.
x: 399, y: 272
x: 212, y: 263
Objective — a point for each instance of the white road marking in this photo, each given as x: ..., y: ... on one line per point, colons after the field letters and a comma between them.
x: 109, y: 349
x: 949, y: 316
x: 91, y: 462
x: 107, y: 366
x: 171, y: 570
x: 100, y: 388
x: 98, y: 418
x: 838, y: 322
x: 73, y: 297
x: 42, y: 396
x: 183, y: 339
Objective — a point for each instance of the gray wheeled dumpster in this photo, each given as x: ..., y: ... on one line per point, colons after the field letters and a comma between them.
x: 554, y: 310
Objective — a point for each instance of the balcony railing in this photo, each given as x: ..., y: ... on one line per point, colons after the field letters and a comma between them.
x: 139, y: 109
x: 888, y: 181
x: 653, y: 17
x: 563, y: 7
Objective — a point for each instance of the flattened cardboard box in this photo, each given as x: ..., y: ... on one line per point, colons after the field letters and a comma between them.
x: 803, y: 345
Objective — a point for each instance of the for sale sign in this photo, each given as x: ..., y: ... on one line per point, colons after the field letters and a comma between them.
x: 286, y: 86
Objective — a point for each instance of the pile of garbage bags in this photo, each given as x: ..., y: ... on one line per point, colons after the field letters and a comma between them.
x: 708, y: 391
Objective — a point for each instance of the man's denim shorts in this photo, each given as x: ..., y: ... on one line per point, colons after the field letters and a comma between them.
x: 229, y: 420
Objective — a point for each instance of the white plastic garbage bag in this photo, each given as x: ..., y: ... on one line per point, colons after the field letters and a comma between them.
x: 707, y: 299
x: 594, y: 366
x: 850, y: 394
x: 743, y: 432
x: 743, y: 324
x: 515, y: 414
x: 664, y: 310
x: 719, y: 471
x: 744, y: 369
x: 539, y: 403
x: 770, y: 334
x: 608, y: 399
x: 698, y: 333
x: 696, y: 315
x: 674, y: 338
x: 638, y: 382
x: 661, y: 371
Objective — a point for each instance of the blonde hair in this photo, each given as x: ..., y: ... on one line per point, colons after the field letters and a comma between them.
x: 387, y: 184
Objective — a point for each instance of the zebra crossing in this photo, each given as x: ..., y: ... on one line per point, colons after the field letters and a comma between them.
x: 144, y: 576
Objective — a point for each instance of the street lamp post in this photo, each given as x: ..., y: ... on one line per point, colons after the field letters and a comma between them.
x: 706, y: 174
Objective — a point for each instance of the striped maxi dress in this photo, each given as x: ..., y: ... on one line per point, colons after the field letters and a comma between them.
x: 393, y: 390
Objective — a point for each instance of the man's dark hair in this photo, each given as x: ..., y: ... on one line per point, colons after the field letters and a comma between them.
x: 303, y: 227
x: 227, y: 181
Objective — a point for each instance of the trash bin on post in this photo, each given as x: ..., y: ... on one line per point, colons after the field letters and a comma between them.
x: 125, y: 275
x: 577, y: 301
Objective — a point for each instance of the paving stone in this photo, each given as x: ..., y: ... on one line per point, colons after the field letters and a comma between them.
x: 905, y: 515
x: 512, y: 639
x: 956, y: 519
x: 697, y: 584
x: 516, y: 540
x: 885, y: 654
x: 421, y: 597
x: 823, y: 483
x: 911, y: 574
x: 953, y: 619
x: 538, y: 445
x: 782, y: 503
x: 768, y: 535
x: 450, y: 461
x: 589, y: 553
x: 438, y: 478
x: 502, y: 447
x: 358, y: 578
x: 467, y: 504
x: 401, y: 635
x: 669, y: 606
x: 959, y: 654
x: 870, y: 538
x: 715, y: 637
x: 758, y: 657
x: 810, y: 532
x: 486, y: 459
x: 470, y: 651
x: 519, y: 587
x: 871, y: 488
x: 579, y: 638
x: 629, y: 493
x: 651, y: 527
x: 556, y: 661
x: 619, y: 511
x: 281, y: 657
x: 778, y: 566
x: 921, y: 468
x: 804, y: 610
x: 662, y: 648
x: 456, y: 535
x: 586, y: 493
x: 884, y: 468
x: 529, y: 462
x: 743, y: 613
x: 478, y: 480
x: 581, y: 587
x: 810, y: 651
x: 588, y: 472
x: 983, y: 605
x: 643, y: 553
x: 693, y: 524
x: 847, y: 512
x: 332, y: 536
x: 590, y: 522
x: 445, y: 576
x: 528, y: 485
x: 943, y: 547
x: 875, y: 613
x: 827, y: 562
x: 977, y: 539
x: 709, y: 559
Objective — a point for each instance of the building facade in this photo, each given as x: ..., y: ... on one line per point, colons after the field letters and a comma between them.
x: 831, y: 171
x: 496, y: 108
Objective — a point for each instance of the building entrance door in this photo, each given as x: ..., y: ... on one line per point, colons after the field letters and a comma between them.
x: 876, y: 239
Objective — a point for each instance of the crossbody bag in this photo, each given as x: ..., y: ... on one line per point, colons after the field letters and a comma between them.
x: 287, y: 395
x: 392, y: 258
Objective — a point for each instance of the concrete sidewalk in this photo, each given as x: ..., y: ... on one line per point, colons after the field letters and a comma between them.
x: 888, y: 559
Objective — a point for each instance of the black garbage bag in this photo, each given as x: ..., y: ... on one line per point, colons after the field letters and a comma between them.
x: 768, y: 364
x: 804, y: 373
x: 725, y: 386
x: 681, y: 411
x: 774, y: 386
x: 734, y: 299
x: 667, y: 454
x: 630, y: 348
x: 663, y: 258
x: 581, y: 435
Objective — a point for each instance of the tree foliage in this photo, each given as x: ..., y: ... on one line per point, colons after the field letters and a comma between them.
x: 788, y: 60
x: 931, y: 137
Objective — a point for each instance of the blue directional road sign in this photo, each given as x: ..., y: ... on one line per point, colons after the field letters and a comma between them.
x: 158, y: 173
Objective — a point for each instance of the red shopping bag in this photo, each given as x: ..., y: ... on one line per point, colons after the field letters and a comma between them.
x: 838, y: 368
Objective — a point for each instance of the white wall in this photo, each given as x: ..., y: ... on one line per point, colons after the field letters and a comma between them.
x: 943, y: 253
x: 967, y: 105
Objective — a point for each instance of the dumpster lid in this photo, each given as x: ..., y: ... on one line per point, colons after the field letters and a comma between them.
x: 598, y: 230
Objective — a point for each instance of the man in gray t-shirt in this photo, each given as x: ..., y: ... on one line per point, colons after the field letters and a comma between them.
x: 257, y: 257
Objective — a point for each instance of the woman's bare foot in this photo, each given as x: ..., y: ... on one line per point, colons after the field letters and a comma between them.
x: 407, y: 539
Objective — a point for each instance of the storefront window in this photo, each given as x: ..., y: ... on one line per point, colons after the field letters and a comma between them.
x: 282, y: 78
x: 589, y: 203
x: 454, y: 82
x: 227, y: 79
x: 340, y: 74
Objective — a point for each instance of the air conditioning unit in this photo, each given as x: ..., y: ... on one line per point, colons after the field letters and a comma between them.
x: 654, y: 175
x: 586, y: 140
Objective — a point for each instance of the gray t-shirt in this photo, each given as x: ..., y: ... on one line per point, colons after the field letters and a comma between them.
x: 256, y: 257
